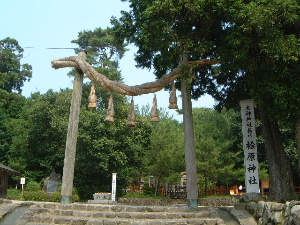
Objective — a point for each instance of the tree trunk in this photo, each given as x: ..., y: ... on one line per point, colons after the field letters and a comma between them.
x: 297, y: 131
x: 281, y: 181
x: 157, y: 183
x: 190, y: 152
x: 205, y: 185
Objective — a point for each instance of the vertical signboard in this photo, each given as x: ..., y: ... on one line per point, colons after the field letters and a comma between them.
x: 114, y: 187
x: 22, y: 182
x: 250, y: 146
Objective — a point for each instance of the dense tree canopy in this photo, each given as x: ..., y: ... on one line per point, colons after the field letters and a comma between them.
x: 40, y: 136
x: 256, y: 42
x: 183, y: 26
x: 165, y: 157
x: 219, y: 161
x: 261, y: 51
x: 12, y: 77
x: 101, y: 47
x: 13, y: 73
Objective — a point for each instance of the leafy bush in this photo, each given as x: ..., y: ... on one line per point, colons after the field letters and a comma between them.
x: 13, y: 194
x: 35, y: 196
x: 33, y: 186
x: 55, y: 197
x: 39, y: 195
x: 75, y: 198
x: 149, y: 190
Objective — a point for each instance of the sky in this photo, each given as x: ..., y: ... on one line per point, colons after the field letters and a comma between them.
x: 41, y: 24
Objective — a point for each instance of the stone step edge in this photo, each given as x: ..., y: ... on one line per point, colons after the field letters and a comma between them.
x: 119, y: 208
x: 97, y: 214
x: 64, y: 220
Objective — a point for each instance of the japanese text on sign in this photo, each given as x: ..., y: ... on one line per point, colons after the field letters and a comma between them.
x: 250, y: 146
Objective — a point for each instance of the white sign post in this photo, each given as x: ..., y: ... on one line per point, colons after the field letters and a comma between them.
x: 114, y: 187
x: 250, y: 146
x: 22, y: 182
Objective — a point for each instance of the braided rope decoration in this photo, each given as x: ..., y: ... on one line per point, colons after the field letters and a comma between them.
x: 119, y: 87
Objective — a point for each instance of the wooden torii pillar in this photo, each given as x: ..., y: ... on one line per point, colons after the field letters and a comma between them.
x: 189, y: 141
x: 71, y: 143
x: 121, y: 88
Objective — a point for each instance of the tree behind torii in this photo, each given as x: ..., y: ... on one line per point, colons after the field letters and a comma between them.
x: 164, y: 30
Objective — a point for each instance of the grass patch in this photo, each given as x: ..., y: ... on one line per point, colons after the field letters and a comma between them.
x: 14, y: 194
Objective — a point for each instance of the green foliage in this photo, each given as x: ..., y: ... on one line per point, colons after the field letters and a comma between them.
x: 75, y: 198
x: 55, y: 197
x: 13, y: 194
x: 107, y: 148
x: 33, y: 186
x: 35, y: 196
x: 39, y: 140
x: 191, y: 27
x: 165, y: 155
x: 39, y: 135
x: 219, y: 161
x: 101, y: 47
x: 149, y: 190
x: 261, y: 51
x: 12, y: 78
x: 13, y: 74
x: 258, y: 43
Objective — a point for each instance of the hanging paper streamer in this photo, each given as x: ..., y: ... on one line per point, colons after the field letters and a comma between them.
x: 110, y: 111
x: 92, y: 98
x: 154, y: 111
x: 173, y: 98
x: 131, y: 115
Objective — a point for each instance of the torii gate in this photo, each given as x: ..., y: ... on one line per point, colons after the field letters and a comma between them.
x: 121, y: 88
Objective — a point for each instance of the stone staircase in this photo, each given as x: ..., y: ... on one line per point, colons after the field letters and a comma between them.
x: 91, y: 214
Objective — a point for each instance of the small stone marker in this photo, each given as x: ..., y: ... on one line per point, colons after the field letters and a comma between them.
x: 101, y: 198
x: 51, y: 183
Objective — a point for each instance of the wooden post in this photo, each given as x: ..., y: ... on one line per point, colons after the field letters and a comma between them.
x: 190, y: 152
x: 70, y: 152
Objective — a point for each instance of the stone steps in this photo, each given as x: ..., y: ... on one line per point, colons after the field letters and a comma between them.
x: 135, y: 215
x: 127, y: 222
x: 88, y: 214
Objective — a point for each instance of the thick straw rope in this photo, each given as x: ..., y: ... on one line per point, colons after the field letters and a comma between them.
x: 119, y: 87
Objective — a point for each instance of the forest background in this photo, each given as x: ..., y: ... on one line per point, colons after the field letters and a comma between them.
x: 258, y: 59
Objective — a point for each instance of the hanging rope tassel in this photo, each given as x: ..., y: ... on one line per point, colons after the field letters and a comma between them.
x: 131, y: 115
x: 92, y: 98
x: 110, y: 111
x: 154, y: 111
x: 173, y: 98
